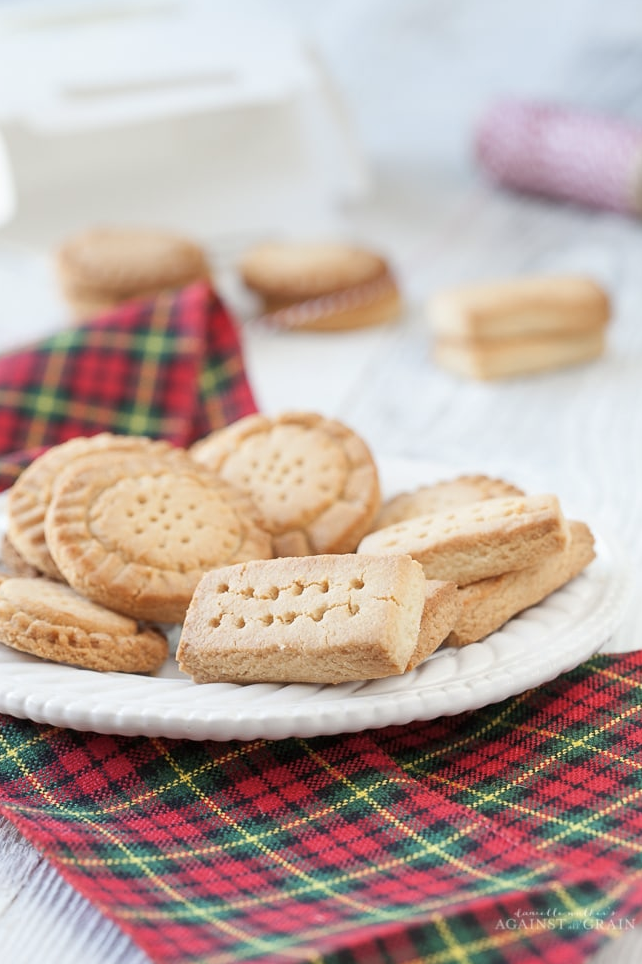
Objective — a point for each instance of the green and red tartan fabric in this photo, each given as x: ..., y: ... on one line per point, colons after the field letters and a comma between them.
x: 508, y: 834
x: 170, y: 368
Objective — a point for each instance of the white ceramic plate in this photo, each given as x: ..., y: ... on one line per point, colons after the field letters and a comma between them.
x: 536, y: 646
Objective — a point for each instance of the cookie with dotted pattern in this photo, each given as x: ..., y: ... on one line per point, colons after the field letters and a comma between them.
x: 319, y: 619
x: 30, y: 495
x: 428, y: 499
x: 313, y: 479
x: 478, y: 540
x: 136, y: 533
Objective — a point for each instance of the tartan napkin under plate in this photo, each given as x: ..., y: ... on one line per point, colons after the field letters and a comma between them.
x: 507, y: 834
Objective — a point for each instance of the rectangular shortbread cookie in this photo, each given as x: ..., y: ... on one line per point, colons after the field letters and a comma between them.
x: 477, y: 540
x: 488, y: 604
x: 487, y: 360
x: 441, y: 611
x: 520, y: 307
x: 319, y: 619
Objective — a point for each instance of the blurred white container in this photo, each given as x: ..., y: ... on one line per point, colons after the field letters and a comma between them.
x: 215, y: 122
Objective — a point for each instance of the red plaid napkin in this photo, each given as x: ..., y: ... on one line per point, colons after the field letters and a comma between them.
x: 510, y: 834
x: 170, y: 368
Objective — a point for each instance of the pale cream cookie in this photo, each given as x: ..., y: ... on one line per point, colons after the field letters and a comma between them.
x: 488, y: 604
x: 137, y: 533
x: 477, y: 540
x: 319, y: 619
x: 486, y: 361
x: 441, y: 611
x: 49, y: 620
x: 520, y: 307
x: 313, y: 479
x: 519, y: 326
x: 440, y: 496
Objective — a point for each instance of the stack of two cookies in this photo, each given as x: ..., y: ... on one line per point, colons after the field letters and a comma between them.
x: 310, y: 286
x: 103, y: 267
x: 496, y: 330
x: 506, y: 551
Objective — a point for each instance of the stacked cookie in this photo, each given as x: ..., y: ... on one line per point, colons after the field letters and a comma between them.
x: 496, y: 330
x: 506, y: 551
x: 320, y: 287
x: 103, y: 267
x: 269, y: 542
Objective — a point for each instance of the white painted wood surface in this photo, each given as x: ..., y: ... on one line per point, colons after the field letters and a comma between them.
x: 415, y: 75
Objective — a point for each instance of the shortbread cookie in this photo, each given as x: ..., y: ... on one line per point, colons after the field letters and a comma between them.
x: 478, y: 540
x: 520, y: 326
x: 520, y: 307
x: 102, y: 267
x: 318, y: 619
x: 321, y: 287
x: 313, y: 479
x: 50, y: 620
x: 136, y: 533
x: 441, y: 611
x: 441, y: 496
x: 30, y: 495
x: 518, y: 356
x: 488, y: 604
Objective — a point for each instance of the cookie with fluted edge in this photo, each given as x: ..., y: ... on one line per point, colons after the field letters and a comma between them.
x: 313, y: 479
x: 321, y: 286
x: 30, y: 495
x: 137, y: 533
x: 49, y: 620
x: 440, y: 496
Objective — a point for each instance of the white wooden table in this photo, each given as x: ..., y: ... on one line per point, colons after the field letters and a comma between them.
x: 421, y: 76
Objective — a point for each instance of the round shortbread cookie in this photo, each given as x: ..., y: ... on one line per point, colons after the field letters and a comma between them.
x: 137, y: 533
x: 126, y: 261
x: 30, y: 495
x: 441, y: 496
x: 313, y: 479
x: 51, y: 621
x: 321, y: 287
x: 287, y: 271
